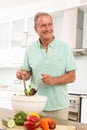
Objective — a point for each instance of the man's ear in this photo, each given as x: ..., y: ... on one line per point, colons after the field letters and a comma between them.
x: 35, y: 28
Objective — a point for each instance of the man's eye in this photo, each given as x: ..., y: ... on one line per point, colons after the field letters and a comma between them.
x: 50, y: 24
x: 43, y: 25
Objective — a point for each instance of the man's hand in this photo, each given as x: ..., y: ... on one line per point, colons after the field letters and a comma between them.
x: 47, y: 79
x: 22, y: 74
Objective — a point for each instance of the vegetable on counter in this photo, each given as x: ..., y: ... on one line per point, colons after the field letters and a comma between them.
x: 32, y: 122
x: 44, y: 124
x: 47, y: 123
x: 20, y: 117
x: 51, y: 123
x: 8, y: 122
x: 34, y: 114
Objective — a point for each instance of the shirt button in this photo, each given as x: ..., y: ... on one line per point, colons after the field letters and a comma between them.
x: 46, y: 62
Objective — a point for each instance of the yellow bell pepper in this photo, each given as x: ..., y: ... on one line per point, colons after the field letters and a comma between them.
x: 34, y: 114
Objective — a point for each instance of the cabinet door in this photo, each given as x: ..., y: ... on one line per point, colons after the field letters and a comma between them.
x: 83, y: 1
x: 18, y: 39
x: 84, y: 110
x: 73, y: 27
x: 58, y: 26
x: 4, y: 35
x: 31, y: 34
x: 69, y: 27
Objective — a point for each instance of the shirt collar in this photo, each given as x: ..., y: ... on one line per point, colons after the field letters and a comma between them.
x: 52, y: 44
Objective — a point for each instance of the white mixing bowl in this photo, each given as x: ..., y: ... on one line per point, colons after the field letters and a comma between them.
x: 28, y: 103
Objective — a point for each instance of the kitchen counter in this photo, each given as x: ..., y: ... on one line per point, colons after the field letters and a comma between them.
x: 5, y: 97
x: 9, y: 112
x: 84, y: 96
x: 79, y: 93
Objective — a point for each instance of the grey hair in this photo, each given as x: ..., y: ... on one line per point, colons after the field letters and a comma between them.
x: 40, y: 14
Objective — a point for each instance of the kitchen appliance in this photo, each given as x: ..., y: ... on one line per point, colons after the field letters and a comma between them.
x: 74, y: 108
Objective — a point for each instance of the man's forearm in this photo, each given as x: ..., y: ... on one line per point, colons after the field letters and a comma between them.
x: 69, y: 77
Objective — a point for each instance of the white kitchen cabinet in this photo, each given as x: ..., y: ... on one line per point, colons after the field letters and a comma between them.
x: 4, y: 35
x: 14, y: 38
x: 85, y: 31
x: 9, y: 34
x: 58, y: 24
x: 23, y: 32
x: 12, y: 43
x: 73, y: 27
x: 68, y: 26
x: 83, y: 1
x: 84, y: 110
x: 17, y: 35
x: 31, y: 34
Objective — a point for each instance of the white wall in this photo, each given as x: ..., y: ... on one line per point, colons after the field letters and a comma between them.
x: 7, y: 76
x: 81, y: 75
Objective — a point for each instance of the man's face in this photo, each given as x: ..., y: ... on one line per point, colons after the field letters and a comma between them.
x: 44, y: 27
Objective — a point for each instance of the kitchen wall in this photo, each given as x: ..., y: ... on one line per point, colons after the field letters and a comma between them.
x: 80, y: 85
x: 8, y: 79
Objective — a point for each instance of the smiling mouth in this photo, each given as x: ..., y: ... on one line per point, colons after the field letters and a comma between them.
x: 48, y: 32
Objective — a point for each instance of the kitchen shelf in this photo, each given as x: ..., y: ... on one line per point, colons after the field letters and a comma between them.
x: 11, y: 90
x: 82, y: 51
x: 2, y: 66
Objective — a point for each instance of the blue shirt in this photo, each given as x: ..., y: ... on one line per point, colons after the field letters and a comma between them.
x: 56, y: 62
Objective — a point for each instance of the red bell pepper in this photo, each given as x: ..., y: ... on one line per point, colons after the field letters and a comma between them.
x: 32, y: 122
x: 52, y: 124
